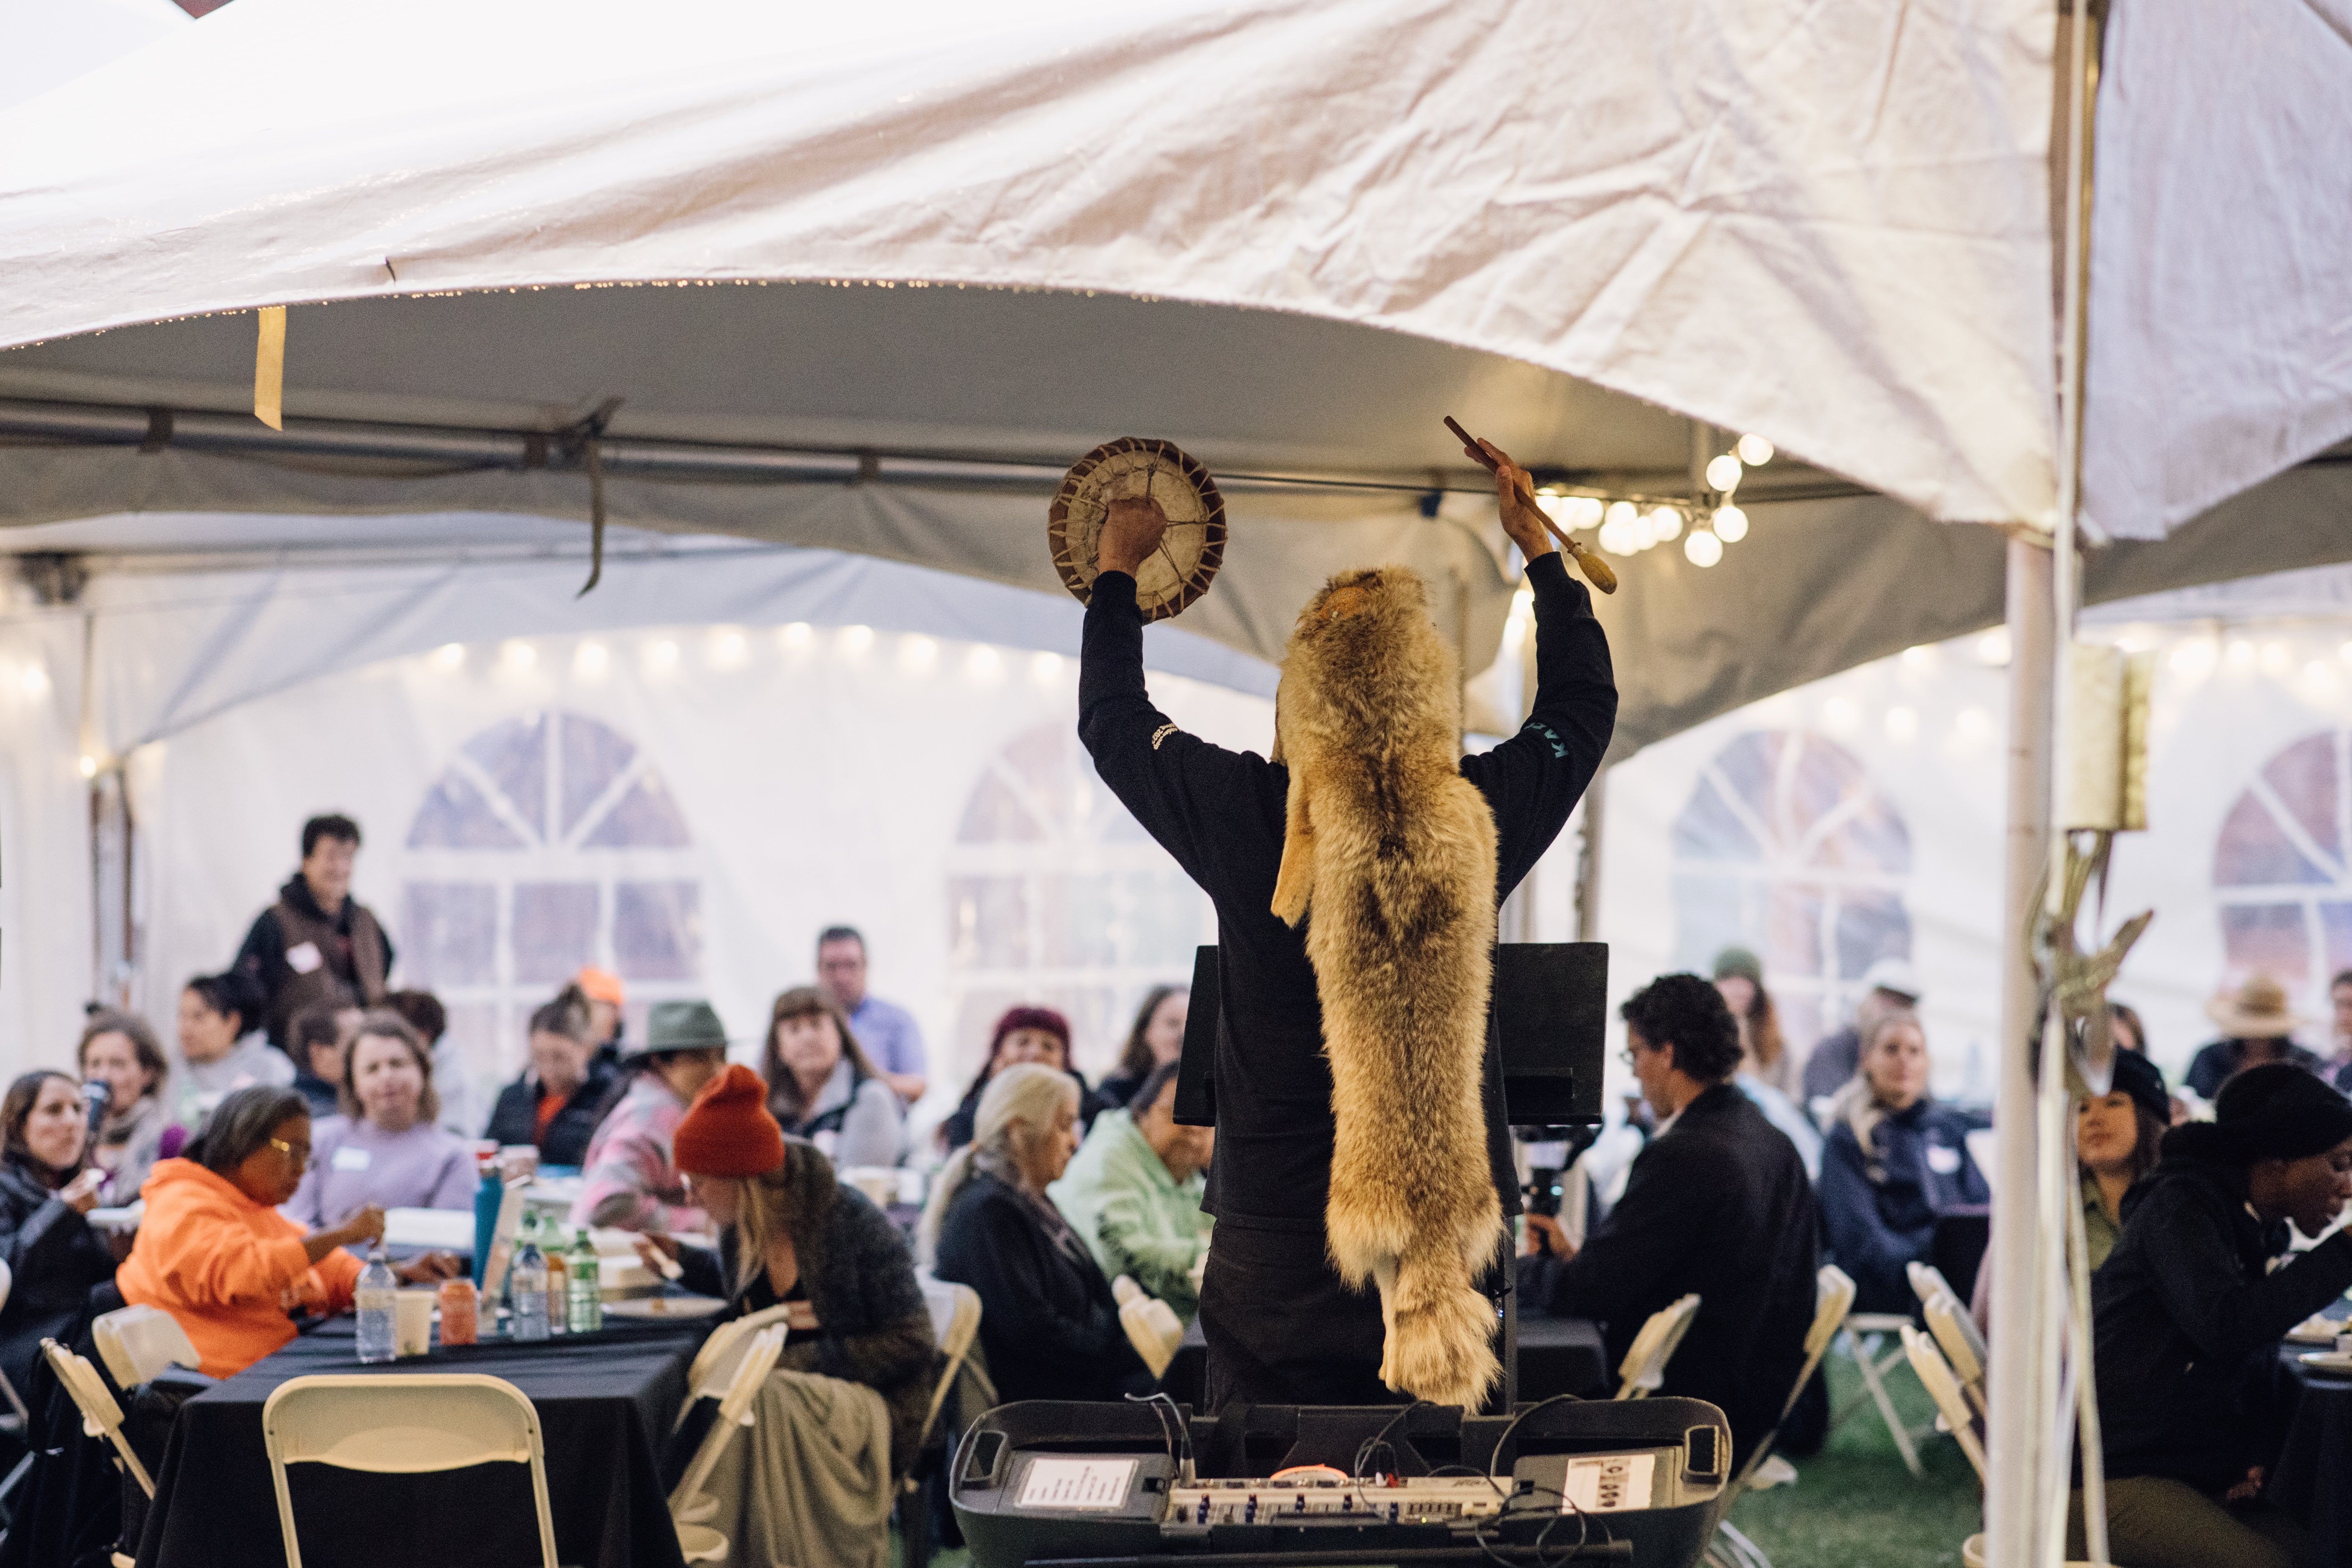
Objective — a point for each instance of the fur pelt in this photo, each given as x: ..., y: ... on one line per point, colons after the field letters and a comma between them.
x: 1392, y: 851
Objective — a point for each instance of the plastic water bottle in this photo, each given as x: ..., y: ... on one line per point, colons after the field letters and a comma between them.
x: 378, y: 1288
x: 587, y: 1286
x: 526, y: 1285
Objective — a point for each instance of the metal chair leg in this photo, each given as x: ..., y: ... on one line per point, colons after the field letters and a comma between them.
x: 1732, y: 1549
x: 1866, y: 1360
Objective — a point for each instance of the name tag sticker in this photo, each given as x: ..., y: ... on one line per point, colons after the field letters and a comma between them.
x: 349, y: 1159
x: 1943, y: 1161
x: 303, y: 957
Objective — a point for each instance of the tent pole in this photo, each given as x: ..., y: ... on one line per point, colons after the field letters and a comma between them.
x: 2016, y: 1403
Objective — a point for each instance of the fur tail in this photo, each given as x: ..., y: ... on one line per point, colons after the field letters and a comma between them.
x: 1441, y: 1335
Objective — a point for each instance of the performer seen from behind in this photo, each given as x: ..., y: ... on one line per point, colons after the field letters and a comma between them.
x: 1386, y: 872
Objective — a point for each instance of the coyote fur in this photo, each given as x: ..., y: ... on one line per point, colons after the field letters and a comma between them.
x: 1393, y: 852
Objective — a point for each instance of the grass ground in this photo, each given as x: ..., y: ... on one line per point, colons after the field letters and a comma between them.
x: 1853, y: 1506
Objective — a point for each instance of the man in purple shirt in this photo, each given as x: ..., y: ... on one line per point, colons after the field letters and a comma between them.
x: 886, y: 1031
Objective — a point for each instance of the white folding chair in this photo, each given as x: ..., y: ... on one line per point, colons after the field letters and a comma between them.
x: 100, y: 1415
x: 955, y: 1323
x: 1952, y: 1411
x: 1926, y: 1279
x: 1832, y: 1298
x: 689, y: 1507
x: 412, y: 1423
x: 1956, y: 1335
x: 137, y: 1342
x: 1863, y: 1334
x: 1644, y: 1366
x: 712, y: 1371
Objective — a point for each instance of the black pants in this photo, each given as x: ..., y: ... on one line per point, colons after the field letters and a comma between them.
x: 1282, y: 1329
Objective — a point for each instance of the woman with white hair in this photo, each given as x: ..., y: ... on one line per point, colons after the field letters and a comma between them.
x: 1048, y: 1322
x: 1895, y: 1162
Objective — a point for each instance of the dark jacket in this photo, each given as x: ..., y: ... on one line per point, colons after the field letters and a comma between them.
x: 55, y: 1258
x: 1879, y: 1213
x: 1221, y: 815
x: 355, y: 955
x: 1047, y: 1319
x: 873, y: 1327
x: 956, y: 1131
x: 1719, y: 1206
x: 515, y: 1118
x: 2219, y: 1062
x: 1831, y: 1064
x: 324, y: 1100
x: 2188, y: 1320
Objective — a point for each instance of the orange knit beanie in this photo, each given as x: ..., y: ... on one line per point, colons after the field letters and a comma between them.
x: 728, y: 1130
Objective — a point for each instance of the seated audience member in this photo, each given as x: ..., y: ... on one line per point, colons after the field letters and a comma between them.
x: 892, y: 1039
x: 2255, y: 1023
x: 632, y: 1180
x: 120, y: 1051
x: 46, y: 1190
x: 1157, y: 1036
x: 556, y: 1104
x: 315, y: 1039
x: 384, y: 1147
x: 453, y: 1085
x: 1048, y: 1322
x: 822, y: 1086
x: 1895, y: 1160
x: 1133, y: 1194
x: 606, y: 997
x: 1023, y: 1034
x: 2131, y: 1034
x: 215, y: 1252
x: 1768, y: 1074
x: 2337, y: 1068
x: 791, y: 1235
x: 2189, y: 1314
x: 2116, y: 1135
x: 1888, y: 986
x: 1718, y: 1204
x: 218, y: 1052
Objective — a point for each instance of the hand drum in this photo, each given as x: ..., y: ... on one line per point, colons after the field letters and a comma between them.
x: 1133, y: 466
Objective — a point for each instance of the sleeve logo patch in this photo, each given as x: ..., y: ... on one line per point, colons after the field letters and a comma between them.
x: 1165, y: 731
x: 1559, y: 748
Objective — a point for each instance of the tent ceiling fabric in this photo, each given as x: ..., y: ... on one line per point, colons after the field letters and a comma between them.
x: 1828, y: 225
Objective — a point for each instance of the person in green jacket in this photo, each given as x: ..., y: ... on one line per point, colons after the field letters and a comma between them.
x: 1133, y: 1194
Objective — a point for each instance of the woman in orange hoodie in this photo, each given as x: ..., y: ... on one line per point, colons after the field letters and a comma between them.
x: 213, y: 1251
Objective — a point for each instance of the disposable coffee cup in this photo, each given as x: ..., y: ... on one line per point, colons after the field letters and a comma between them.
x: 412, y: 1322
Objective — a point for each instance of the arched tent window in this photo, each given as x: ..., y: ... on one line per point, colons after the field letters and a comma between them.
x: 1786, y: 847
x: 1056, y: 895
x: 2280, y: 866
x: 549, y: 842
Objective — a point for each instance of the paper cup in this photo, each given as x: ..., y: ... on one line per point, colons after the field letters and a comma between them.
x: 412, y: 1322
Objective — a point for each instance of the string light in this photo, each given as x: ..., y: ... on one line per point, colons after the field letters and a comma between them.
x: 1665, y: 524
x: 1754, y: 450
x: 1730, y: 524
x: 589, y: 661
x: 1723, y: 472
x: 450, y: 657
x: 1702, y: 548
x: 90, y: 767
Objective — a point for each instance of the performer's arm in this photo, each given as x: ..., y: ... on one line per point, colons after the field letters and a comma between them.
x: 1178, y: 785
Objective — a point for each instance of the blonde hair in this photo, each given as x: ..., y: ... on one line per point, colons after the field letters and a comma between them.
x: 1857, y: 1104
x: 1017, y: 1108
x: 790, y: 1200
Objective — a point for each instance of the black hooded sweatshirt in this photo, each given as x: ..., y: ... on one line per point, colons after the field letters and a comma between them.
x: 2188, y: 1319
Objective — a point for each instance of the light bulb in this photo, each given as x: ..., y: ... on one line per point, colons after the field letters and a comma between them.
x: 519, y: 654
x: 1554, y: 507
x: 798, y: 633
x: 1702, y: 548
x: 918, y: 652
x: 1666, y: 524
x: 90, y: 767
x: 1645, y: 532
x: 1585, y: 511
x: 1623, y: 513
x: 590, y: 659
x: 1730, y: 524
x: 1616, y: 537
x: 1723, y: 473
x: 1902, y: 723
x: 855, y: 640
x: 450, y: 656
x: 1754, y: 450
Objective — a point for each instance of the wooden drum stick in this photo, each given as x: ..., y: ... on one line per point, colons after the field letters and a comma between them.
x: 1596, y: 571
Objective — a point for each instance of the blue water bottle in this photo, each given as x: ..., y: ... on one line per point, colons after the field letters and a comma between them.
x: 487, y: 1198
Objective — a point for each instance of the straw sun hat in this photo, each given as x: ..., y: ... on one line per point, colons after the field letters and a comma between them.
x: 2258, y: 1011
x: 1132, y: 467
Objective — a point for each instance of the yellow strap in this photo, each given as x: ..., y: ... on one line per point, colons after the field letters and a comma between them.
x: 269, y: 367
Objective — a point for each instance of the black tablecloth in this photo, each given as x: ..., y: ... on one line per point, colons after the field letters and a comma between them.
x: 2310, y: 1480
x: 605, y: 1401
x: 1557, y: 1355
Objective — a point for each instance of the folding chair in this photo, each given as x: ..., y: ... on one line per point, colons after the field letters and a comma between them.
x: 101, y: 1417
x: 955, y: 1323
x: 1956, y: 1335
x: 1644, y: 1366
x: 712, y: 1371
x: 412, y: 1423
x: 16, y: 1421
x: 1833, y: 1296
x: 687, y: 1505
x: 137, y: 1342
x: 1926, y: 1280
x: 1952, y: 1410
x: 1863, y: 1334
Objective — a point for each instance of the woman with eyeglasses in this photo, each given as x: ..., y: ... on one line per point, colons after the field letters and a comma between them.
x: 213, y: 1251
